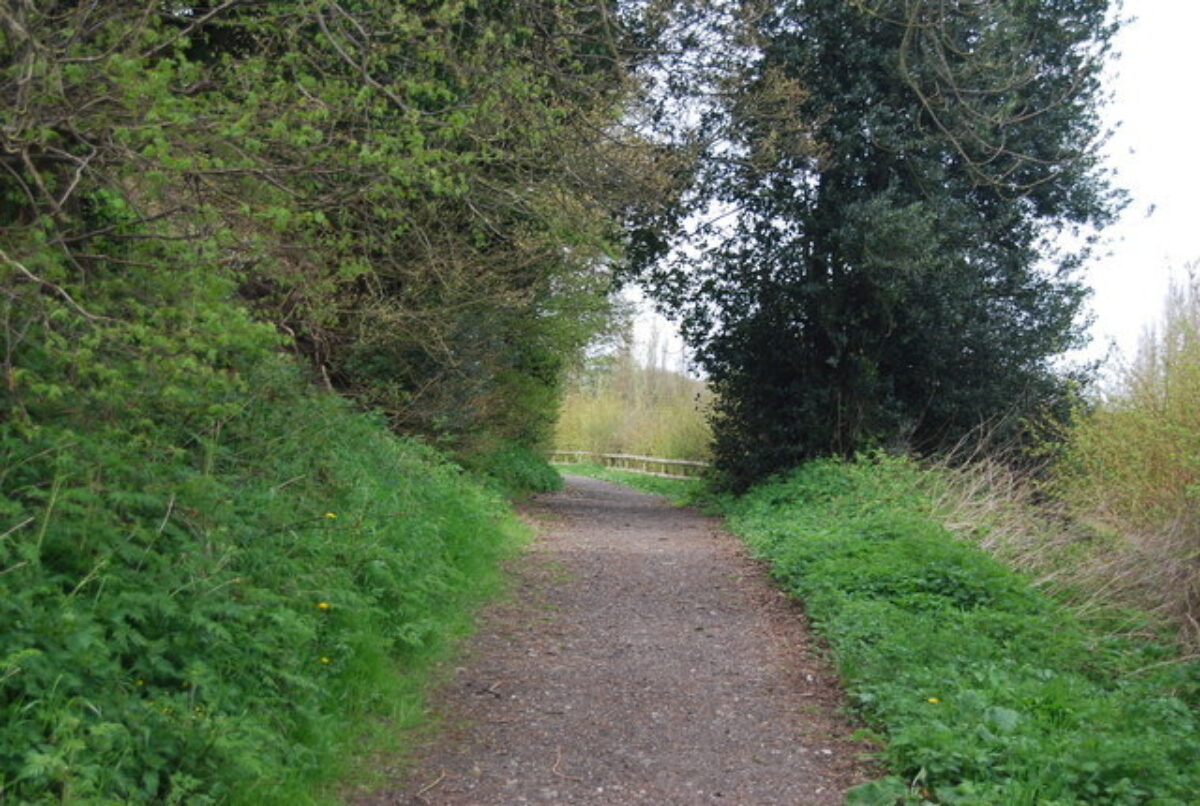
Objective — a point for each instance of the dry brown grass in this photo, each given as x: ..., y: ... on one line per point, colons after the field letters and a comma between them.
x: 1115, y: 521
x: 1103, y: 570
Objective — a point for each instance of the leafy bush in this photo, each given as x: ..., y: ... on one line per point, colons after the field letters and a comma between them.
x: 357, y: 189
x: 208, y: 571
x: 1132, y: 467
x: 514, y: 469
x: 987, y: 691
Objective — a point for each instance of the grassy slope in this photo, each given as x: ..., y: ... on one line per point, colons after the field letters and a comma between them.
x: 986, y: 691
x: 220, y: 617
x: 983, y: 690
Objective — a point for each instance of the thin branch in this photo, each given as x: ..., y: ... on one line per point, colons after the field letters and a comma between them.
x: 20, y: 525
x: 182, y: 32
x: 53, y: 287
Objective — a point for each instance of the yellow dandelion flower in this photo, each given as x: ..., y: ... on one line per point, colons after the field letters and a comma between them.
x: 329, y: 515
x: 933, y: 700
x: 322, y: 605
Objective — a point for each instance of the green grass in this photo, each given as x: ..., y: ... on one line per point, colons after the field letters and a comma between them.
x: 985, y: 690
x: 227, y: 607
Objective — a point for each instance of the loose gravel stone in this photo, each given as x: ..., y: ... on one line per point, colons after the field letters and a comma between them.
x: 643, y: 659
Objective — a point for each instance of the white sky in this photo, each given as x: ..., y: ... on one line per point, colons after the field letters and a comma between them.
x: 1155, y: 149
x: 1155, y: 153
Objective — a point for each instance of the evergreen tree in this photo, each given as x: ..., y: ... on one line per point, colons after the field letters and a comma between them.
x: 898, y: 169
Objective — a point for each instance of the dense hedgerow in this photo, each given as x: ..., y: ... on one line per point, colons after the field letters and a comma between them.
x: 985, y: 690
x: 209, y: 571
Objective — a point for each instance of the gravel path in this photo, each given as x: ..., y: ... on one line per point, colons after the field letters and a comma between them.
x: 642, y: 659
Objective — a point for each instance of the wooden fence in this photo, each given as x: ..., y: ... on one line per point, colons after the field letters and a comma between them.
x: 647, y: 465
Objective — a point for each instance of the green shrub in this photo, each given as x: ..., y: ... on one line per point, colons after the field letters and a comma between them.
x: 209, y: 573
x: 987, y: 691
x: 514, y: 469
x: 1131, y: 466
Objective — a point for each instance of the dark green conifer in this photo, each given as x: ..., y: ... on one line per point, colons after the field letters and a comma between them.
x: 898, y: 168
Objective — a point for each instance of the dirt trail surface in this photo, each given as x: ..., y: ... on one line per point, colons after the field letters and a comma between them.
x: 642, y: 659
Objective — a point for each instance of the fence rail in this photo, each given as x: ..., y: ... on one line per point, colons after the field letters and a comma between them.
x: 647, y: 465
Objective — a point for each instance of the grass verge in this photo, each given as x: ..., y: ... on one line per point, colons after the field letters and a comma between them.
x: 985, y: 690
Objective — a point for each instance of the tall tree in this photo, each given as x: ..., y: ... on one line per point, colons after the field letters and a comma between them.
x: 898, y: 170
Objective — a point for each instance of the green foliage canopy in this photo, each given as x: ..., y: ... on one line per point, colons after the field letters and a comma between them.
x: 422, y: 197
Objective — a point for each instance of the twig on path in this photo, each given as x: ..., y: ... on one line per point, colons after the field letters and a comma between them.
x: 428, y: 787
x: 558, y: 761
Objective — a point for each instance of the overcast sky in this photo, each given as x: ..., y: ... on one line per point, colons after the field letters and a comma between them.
x: 1155, y: 150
